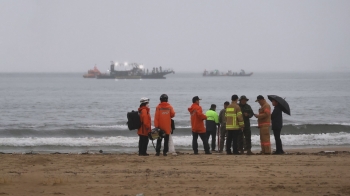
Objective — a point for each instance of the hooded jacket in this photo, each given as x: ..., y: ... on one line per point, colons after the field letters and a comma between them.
x: 145, y: 118
x: 162, y: 117
x: 197, y: 118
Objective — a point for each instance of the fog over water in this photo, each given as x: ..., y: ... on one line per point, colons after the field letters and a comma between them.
x: 258, y: 36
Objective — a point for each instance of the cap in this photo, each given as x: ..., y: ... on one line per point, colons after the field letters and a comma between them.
x: 260, y: 97
x: 195, y: 98
x: 234, y: 97
x: 243, y: 97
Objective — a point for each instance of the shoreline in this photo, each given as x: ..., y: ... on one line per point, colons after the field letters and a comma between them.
x: 134, y: 150
x: 300, y: 172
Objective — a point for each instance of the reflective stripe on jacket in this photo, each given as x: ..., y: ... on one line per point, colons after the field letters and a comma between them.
x: 234, y: 118
x: 264, y: 117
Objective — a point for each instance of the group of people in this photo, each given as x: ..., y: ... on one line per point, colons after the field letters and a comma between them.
x: 231, y: 124
x: 162, y: 120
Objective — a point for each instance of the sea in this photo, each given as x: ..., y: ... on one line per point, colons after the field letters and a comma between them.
x: 66, y: 113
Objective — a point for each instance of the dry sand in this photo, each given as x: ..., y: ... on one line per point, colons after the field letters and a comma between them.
x: 298, y: 173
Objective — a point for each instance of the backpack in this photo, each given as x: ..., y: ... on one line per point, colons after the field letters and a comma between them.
x: 134, y: 121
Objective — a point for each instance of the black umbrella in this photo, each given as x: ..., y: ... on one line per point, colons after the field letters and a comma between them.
x: 282, y: 102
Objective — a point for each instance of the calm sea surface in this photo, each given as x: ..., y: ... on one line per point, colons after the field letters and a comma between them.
x: 63, y: 112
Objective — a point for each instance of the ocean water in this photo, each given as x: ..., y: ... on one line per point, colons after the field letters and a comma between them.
x: 63, y: 112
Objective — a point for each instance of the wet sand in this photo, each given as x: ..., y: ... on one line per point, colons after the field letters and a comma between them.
x: 301, y: 172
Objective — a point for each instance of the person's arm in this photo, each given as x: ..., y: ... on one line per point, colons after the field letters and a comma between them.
x: 250, y: 112
x: 265, y: 113
x: 145, y: 121
x: 172, y: 112
x: 200, y: 114
x: 216, y: 118
x: 220, y: 116
x: 240, y: 117
x: 273, y: 114
x: 156, y: 118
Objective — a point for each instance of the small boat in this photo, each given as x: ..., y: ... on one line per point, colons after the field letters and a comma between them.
x: 92, y: 73
x: 229, y: 73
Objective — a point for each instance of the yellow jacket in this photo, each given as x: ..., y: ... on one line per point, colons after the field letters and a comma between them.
x: 234, y: 118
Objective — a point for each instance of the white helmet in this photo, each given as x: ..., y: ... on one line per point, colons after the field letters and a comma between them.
x: 144, y: 100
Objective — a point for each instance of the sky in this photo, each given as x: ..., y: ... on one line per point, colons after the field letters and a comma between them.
x: 187, y: 36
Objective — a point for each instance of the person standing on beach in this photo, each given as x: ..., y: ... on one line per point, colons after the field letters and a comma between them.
x: 211, y: 125
x: 234, y: 125
x: 162, y: 120
x: 145, y: 128
x: 277, y: 124
x: 245, y: 137
x: 197, y: 125
x: 222, y: 121
x: 264, y: 122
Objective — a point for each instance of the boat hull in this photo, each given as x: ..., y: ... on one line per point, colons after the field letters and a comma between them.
x: 233, y: 75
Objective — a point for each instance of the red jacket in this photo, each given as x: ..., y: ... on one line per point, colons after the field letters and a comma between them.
x: 197, y: 118
x: 145, y: 118
x: 162, y: 117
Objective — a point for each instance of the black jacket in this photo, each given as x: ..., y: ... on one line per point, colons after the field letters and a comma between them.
x: 276, y: 118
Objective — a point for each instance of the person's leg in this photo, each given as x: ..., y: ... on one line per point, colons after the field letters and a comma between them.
x: 261, y: 146
x: 195, y: 142
x: 222, y: 137
x: 140, y: 145
x: 229, y: 142
x: 166, y: 144
x: 235, y: 135
x: 158, y: 146
x: 213, y: 140
x: 248, y: 140
x: 281, y: 147
x: 146, y: 140
x: 265, y: 140
x: 277, y: 134
x: 204, y: 139
x: 207, y: 135
x: 240, y: 139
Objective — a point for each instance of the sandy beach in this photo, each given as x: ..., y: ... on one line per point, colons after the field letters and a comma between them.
x: 301, y: 172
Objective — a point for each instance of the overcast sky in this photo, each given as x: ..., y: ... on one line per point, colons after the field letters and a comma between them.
x: 74, y: 35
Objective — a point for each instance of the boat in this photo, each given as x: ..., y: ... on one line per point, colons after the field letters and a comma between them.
x: 92, y: 73
x: 135, y: 71
x: 229, y: 73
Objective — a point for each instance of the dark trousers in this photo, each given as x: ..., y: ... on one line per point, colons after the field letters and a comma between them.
x: 232, y: 139
x: 143, y: 143
x: 277, y: 134
x: 195, y: 142
x: 245, y: 140
x: 166, y: 144
x: 213, y: 138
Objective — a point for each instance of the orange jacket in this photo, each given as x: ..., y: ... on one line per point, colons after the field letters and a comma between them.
x: 145, y: 118
x: 197, y: 118
x: 162, y: 117
x: 264, y: 117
